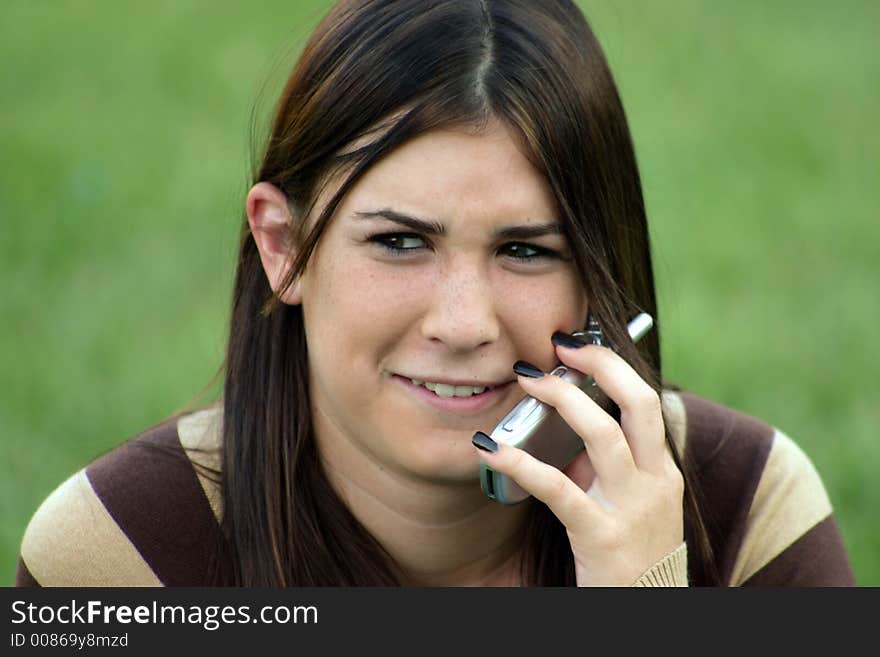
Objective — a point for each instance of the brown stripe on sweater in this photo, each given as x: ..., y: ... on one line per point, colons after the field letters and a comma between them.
x: 790, y: 499
x: 150, y: 489
x: 818, y: 558
x: 729, y: 450
x: 23, y: 577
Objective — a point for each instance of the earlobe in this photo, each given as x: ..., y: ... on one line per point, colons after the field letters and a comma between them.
x: 271, y: 223
x: 292, y: 296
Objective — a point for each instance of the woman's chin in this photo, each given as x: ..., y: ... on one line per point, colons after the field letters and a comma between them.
x: 447, y: 468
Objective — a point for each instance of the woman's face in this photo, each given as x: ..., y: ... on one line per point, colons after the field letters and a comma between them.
x: 444, y: 265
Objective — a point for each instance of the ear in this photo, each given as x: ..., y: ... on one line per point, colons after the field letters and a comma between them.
x: 270, y: 222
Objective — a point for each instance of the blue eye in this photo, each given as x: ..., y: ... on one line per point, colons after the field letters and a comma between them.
x: 398, y: 243
x: 527, y: 252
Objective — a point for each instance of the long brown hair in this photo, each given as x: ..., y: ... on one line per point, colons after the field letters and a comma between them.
x: 374, y: 74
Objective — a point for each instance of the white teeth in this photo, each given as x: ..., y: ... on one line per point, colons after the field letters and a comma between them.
x: 446, y: 390
x: 467, y: 391
x: 441, y: 389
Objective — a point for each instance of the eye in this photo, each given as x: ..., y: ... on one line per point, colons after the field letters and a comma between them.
x: 399, y: 243
x: 527, y: 252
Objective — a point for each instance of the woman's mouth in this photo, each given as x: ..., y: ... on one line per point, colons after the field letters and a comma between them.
x: 449, y: 390
x: 455, y: 398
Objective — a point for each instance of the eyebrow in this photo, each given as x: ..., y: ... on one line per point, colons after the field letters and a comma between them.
x: 431, y: 227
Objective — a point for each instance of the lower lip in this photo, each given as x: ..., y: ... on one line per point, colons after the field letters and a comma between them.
x: 472, y: 404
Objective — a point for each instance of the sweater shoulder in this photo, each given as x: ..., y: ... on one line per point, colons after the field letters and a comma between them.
x: 143, y: 514
x: 764, y: 500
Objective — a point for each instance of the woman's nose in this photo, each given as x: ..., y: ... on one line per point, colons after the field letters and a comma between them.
x: 462, y: 310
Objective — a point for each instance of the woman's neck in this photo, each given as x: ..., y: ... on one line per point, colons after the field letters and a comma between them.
x: 449, y: 537
x: 437, y: 533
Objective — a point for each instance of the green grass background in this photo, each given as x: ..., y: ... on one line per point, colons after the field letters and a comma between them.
x: 124, y: 153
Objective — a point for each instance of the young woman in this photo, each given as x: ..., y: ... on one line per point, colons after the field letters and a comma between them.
x: 448, y: 191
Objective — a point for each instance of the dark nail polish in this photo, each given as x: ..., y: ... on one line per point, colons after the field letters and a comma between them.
x: 527, y: 369
x: 484, y: 442
x: 566, y: 340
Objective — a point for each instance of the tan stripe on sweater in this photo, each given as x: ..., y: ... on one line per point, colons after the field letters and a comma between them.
x: 200, y: 436
x: 73, y: 541
x: 676, y: 418
x: 789, y: 500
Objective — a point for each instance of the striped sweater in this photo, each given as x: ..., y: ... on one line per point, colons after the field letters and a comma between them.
x: 142, y: 516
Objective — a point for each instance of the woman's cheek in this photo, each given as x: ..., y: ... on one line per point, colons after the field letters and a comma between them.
x: 553, y: 304
x: 360, y: 284
x: 386, y: 288
x: 550, y: 301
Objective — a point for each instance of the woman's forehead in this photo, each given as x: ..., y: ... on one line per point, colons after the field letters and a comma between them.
x: 449, y: 170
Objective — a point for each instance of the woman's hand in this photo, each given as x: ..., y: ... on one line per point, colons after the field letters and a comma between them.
x: 621, y: 499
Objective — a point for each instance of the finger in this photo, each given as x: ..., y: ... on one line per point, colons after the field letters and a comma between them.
x: 641, y: 416
x: 603, y: 437
x: 548, y: 484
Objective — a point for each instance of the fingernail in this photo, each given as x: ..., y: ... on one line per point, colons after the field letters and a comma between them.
x: 527, y: 369
x: 484, y: 442
x: 566, y: 340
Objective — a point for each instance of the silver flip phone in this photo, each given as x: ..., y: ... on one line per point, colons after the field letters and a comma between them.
x: 538, y: 428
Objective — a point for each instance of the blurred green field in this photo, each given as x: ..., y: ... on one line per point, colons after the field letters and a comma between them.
x: 124, y: 153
